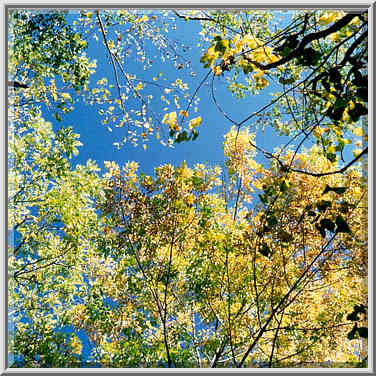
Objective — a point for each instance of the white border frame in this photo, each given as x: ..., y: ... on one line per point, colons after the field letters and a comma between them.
x: 266, y: 4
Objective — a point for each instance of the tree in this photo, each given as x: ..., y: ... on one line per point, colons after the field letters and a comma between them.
x: 320, y: 61
x: 50, y: 204
x: 210, y: 284
x: 249, y: 264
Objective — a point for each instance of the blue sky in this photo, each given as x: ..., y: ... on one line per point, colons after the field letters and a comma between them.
x: 98, y: 140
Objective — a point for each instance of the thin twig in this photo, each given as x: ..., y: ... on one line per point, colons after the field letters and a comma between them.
x: 112, y: 60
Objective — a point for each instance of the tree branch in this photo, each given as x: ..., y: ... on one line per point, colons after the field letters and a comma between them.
x: 319, y: 174
x: 112, y: 59
x: 306, y: 40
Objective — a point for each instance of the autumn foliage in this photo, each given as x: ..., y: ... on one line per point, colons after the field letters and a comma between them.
x: 261, y: 261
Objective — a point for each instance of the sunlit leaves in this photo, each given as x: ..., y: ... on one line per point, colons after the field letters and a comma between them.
x: 337, y: 86
x: 193, y: 123
x: 176, y: 215
x: 171, y: 120
x: 209, y: 57
x: 76, y: 344
x: 189, y: 264
x: 329, y: 17
x: 50, y: 214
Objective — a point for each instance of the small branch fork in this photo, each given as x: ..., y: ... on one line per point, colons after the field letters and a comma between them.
x: 112, y: 59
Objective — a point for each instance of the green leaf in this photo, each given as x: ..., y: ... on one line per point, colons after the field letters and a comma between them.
x: 341, y: 103
x: 141, y: 231
x: 197, y: 181
x: 57, y: 116
x: 247, y: 68
x: 221, y: 46
x: 263, y: 199
x: 283, y: 187
x: 331, y: 156
x: 342, y: 225
x: 315, y: 57
x: 286, y: 81
x: 340, y: 145
x: 309, y: 57
x: 290, y: 44
x: 183, y: 136
x: 195, y: 134
x: 338, y: 190
x: 203, y: 59
x: 285, y: 51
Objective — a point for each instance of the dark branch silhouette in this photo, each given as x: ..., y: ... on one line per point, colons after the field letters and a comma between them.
x: 17, y: 85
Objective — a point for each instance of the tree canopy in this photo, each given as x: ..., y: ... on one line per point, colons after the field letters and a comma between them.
x: 259, y: 261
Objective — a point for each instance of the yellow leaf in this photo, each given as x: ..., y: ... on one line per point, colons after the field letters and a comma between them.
x: 337, y: 131
x: 76, y: 344
x: 195, y: 122
x: 358, y: 131
x: 331, y: 149
x: 66, y: 96
x: 111, y: 44
x: 171, y: 120
x: 261, y: 83
x: 144, y: 18
x: 329, y: 17
x: 356, y: 152
x: 170, y: 117
x: 318, y: 131
x: 217, y: 70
